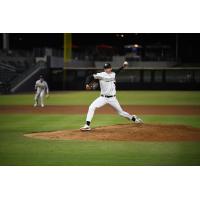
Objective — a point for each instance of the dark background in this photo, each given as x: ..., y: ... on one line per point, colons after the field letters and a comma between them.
x: 188, y: 43
x: 161, y: 61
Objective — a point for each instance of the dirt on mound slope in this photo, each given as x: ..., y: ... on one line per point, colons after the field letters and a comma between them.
x: 127, y: 132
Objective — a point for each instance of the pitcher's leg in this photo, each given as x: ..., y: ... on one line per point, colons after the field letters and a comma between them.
x: 99, y: 102
x: 115, y: 104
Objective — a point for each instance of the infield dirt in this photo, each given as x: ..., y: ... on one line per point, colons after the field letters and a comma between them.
x: 127, y: 132
x: 78, y: 109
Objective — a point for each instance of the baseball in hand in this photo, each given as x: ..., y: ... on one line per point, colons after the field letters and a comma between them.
x: 125, y: 64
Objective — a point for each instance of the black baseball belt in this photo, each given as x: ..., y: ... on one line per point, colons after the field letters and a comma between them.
x: 107, y: 96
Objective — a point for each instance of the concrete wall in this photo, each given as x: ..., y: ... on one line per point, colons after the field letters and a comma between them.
x: 58, y: 62
x: 138, y: 64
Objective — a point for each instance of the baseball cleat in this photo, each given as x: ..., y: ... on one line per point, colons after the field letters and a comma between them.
x: 42, y: 105
x: 137, y: 120
x: 85, y: 128
x: 35, y: 105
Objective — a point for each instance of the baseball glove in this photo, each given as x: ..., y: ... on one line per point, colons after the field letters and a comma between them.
x: 93, y: 85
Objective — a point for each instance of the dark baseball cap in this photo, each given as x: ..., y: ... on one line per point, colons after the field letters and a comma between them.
x: 107, y: 65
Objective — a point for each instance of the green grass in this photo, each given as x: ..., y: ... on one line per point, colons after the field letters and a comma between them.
x: 125, y: 97
x: 15, y: 149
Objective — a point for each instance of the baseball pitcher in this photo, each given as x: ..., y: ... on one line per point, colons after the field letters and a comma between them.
x: 42, y: 89
x: 108, y: 94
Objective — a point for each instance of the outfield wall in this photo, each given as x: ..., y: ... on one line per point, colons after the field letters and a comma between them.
x: 131, y: 79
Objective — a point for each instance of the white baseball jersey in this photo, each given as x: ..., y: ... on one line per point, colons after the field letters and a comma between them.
x: 107, y: 83
x: 107, y: 86
x: 41, y: 86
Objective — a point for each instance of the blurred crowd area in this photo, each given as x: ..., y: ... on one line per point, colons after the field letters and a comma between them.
x: 134, y: 52
x: 19, y: 59
x: 100, y: 52
x: 86, y: 56
x: 18, y: 67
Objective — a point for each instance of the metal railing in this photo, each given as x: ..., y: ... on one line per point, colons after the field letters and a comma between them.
x: 39, y: 65
x: 7, y: 67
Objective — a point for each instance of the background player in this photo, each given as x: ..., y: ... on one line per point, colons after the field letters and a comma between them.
x: 41, y: 87
x: 108, y: 95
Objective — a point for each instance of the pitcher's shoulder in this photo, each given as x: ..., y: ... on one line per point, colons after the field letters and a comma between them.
x: 102, y: 74
x: 113, y: 73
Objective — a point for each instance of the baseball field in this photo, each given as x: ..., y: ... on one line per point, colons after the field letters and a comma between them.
x: 49, y: 136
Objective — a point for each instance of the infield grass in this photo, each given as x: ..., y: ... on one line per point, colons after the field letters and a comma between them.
x: 15, y: 149
x: 125, y: 98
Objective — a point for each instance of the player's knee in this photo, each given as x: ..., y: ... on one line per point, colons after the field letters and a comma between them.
x: 121, y: 112
x: 92, y: 108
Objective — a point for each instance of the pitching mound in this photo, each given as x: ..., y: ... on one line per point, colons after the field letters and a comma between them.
x: 127, y: 132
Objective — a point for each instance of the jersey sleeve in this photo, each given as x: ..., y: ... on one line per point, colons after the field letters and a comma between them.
x: 98, y: 76
x: 118, y: 70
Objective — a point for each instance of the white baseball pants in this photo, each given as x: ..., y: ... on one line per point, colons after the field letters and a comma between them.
x: 101, y: 101
x: 40, y: 96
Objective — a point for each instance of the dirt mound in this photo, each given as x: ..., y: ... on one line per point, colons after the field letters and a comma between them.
x: 127, y: 132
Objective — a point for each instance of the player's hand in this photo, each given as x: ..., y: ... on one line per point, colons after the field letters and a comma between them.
x: 125, y: 64
x: 87, y: 87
